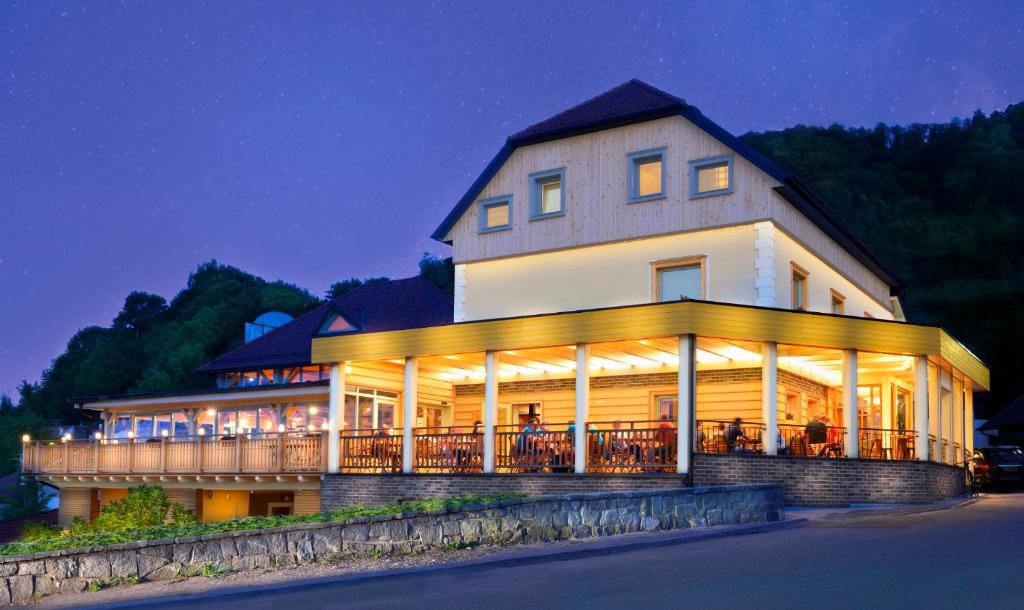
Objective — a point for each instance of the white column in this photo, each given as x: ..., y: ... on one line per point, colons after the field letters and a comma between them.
x: 769, y: 397
x: 582, y: 405
x: 409, y: 401
x: 921, y: 406
x: 490, y: 407
x: 686, y: 388
x: 850, y: 403
x: 335, y: 410
x: 764, y: 264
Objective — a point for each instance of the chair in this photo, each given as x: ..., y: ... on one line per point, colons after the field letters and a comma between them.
x: 798, y: 445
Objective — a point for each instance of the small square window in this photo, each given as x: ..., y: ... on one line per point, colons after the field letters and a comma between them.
x: 711, y: 177
x: 496, y: 214
x: 799, y: 293
x: 679, y: 279
x: 646, y: 178
x: 838, y: 303
x: 547, y: 194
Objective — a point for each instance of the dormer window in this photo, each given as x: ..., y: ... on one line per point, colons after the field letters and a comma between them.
x: 337, y: 323
x: 547, y: 194
x: 646, y: 178
x: 496, y: 214
x: 712, y: 176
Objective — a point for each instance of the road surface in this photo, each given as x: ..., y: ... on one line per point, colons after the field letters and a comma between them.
x: 972, y: 556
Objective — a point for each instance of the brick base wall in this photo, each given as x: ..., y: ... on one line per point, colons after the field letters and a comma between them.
x: 808, y: 481
x: 348, y: 489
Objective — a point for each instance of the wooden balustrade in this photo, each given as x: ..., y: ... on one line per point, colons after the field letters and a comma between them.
x: 636, y: 446
x: 268, y: 453
x: 448, y: 449
x: 371, y: 451
x: 887, y: 444
x: 812, y: 440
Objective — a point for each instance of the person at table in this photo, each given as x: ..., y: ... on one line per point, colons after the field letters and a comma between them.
x: 734, y: 435
x: 665, y: 437
x: 817, y: 432
x: 478, y: 446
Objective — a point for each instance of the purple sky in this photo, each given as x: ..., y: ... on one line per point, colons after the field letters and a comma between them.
x: 317, y: 141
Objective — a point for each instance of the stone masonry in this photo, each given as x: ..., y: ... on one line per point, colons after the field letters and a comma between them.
x: 23, y: 577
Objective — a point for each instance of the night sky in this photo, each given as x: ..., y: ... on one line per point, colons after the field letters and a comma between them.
x: 312, y: 142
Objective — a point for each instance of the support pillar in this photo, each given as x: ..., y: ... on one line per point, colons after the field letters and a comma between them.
x: 686, y: 393
x: 409, y: 401
x: 921, y: 406
x: 335, y: 410
x: 582, y: 406
x: 490, y: 407
x: 770, y: 397
x: 850, y: 403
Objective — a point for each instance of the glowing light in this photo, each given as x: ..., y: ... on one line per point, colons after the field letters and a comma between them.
x: 313, y: 410
x: 163, y: 433
x: 25, y: 438
x: 211, y: 411
x: 131, y: 434
x: 202, y: 432
x: 280, y: 427
x: 323, y: 426
x: 98, y: 435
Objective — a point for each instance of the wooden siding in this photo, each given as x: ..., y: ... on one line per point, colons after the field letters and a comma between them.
x: 74, y: 502
x: 307, y: 502
x: 596, y: 192
x: 656, y: 320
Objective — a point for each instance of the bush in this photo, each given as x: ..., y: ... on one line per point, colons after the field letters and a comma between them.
x: 145, y: 506
x: 38, y: 531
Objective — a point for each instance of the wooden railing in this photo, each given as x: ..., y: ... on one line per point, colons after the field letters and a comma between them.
x: 931, y: 448
x: 448, y: 449
x: 944, y: 458
x: 371, y: 451
x: 887, y: 444
x: 269, y: 453
x: 722, y: 436
x: 638, y: 446
x: 812, y: 440
x: 547, y: 449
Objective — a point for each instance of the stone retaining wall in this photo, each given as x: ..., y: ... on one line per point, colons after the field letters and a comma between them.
x: 350, y: 489
x: 814, y: 481
x: 522, y: 520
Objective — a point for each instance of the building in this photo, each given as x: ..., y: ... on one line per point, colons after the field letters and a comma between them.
x: 640, y: 299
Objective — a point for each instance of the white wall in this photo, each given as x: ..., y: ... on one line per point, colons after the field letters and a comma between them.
x: 823, y: 278
x: 605, y: 276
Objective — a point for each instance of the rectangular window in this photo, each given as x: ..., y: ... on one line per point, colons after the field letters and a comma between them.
x: 838, y: 303
x: 547, y: 194
x: 496, y: 214
x: 646, y: 177
x: 711, y: 176
x: 678, y: 279
x: 799, y: 297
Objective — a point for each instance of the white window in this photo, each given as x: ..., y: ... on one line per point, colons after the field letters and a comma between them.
x: 547, y: 194
x: 646, y: 178
x: 799, y: 287
x: 711, y: 176
x: 838, y: 303
x: 496, y: 214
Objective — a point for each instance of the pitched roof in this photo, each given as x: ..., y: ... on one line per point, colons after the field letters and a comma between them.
x: 1011, y: 415
x: 394, y: 305
x: 636, y: 101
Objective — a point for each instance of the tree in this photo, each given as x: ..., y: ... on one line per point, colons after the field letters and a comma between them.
x: 439, y: 271
x: 339, y: 288
x: 139, y: 311
x: 25, y: 498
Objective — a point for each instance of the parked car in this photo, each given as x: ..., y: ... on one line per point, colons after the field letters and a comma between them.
x: 999, y: 466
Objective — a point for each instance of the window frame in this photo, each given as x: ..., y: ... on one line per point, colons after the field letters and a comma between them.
x: 836, y: 297
x: 537, y: 182
x: 698, y: 164
x: 490, y: 202
x: 699, y: 260
x: 633, y: 162
x: 795, y: 270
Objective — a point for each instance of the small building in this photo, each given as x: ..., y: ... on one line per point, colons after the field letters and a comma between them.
x: 640, y: 299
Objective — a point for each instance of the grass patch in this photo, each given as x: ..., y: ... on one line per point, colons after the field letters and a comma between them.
x: 98, y: 585
x: 72, y: 539
x: 206, y: 570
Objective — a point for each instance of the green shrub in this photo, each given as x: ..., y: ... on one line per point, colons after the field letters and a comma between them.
x: 81, y: 534
x: 39, y: 531
x: 145, y: 506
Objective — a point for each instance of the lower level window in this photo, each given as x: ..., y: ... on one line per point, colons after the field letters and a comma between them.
x: 679, y: 279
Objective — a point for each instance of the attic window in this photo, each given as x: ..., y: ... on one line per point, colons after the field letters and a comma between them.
x: 646, y: 178
x: 336, y: 323
x: 547, y: 194
x: 712, y: 176
x: 496, y: 214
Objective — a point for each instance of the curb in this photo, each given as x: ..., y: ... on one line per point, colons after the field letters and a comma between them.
x: 597, y: 547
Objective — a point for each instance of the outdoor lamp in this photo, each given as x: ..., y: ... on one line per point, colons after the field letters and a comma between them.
x: 97, y: 435
x: 25, y: 438
x: 131, y: 434
x: 313, y: 410
x: 323, y: 426
x: 310, y: 427
x: 163, y: 433
x: 280, y: 427
x: 202, y: 432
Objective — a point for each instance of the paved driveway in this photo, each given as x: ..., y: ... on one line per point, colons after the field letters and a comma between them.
x: 972, y: 556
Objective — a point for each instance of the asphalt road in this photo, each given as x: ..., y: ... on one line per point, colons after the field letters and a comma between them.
x: 972, y: 556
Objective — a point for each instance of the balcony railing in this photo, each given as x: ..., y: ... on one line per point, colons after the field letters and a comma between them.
x: 547, y: 449
x: 812, y: 440
x: 944, y: 458
x: 636, y: 446
x: 450, y: 449
x: 371, y: 451
x: 267, y: 453
x: 722, y: 436
x: 887, y: 444
x: 931, y: 448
